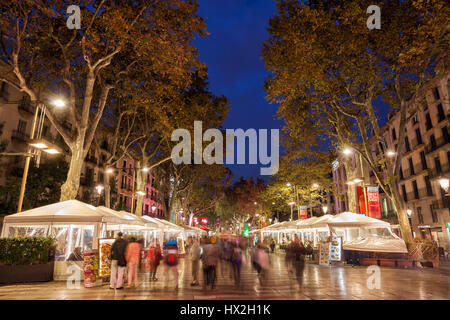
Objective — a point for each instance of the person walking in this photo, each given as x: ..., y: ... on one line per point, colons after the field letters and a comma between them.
x: 272, y: 245
x: 171, y: 261
x: 195, y: 261
x: 238, y: 259
x: 209, y: 261
x: 118, y: 262
x: 133, y: 256
x: 298, y: 258
x: 154, y: 258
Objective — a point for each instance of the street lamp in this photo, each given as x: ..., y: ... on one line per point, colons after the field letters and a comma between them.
x: 390, y: 153
x: 109, y: 170
x: 315, y: 185
x: 39, y: 106
x: 445, y: 183
x: 99, y: 189
x: 325, y: 209
x: 409, y: 212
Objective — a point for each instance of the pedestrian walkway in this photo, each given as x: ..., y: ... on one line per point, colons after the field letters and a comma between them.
x: 319, y: 282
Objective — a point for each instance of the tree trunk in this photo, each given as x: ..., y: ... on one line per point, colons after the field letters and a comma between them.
x: 69, y: 189
x: 351, y: 190
x: 140, y: 180
x: 402, y: 215
x: 107, y: 189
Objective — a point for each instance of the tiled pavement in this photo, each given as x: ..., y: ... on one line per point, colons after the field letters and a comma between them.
x: 319, y: 282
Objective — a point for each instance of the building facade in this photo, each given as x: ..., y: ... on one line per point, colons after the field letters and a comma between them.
x: 425, y: 160
x: 16, y: 118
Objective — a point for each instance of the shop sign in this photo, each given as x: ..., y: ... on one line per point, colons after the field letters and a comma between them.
x: 448, y: 224
x: 303, y: 212
x: 373, y: 200
x: 361, y: 200
x: 336, y: 249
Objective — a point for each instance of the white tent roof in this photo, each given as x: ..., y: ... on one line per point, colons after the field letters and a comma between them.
x: 377, y: 244
x: 70, y: 211
x: 350, y: 219
x: 315, y: 222
x: 163, y: 223
x: 126, y: 217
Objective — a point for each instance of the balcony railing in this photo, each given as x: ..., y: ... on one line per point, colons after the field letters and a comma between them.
x: 25, y: 105
x: 440, y: 142
x: 434, y: 173
x: 422, y: 193
x: 19, y: 135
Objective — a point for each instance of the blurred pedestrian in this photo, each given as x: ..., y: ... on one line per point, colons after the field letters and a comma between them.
x: 272, y: 245
x: 238, y: 259
x: 133, y: 255
x: 118, y: 262
x: 210, y: 257
x: 298, y: 258
x: 195, y: 261
x: 154, y: 259
x: 171, y: 261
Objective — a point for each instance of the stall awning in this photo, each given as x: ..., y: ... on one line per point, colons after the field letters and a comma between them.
x: 70, y: 211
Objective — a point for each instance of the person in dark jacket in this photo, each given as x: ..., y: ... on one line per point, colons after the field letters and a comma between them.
x: 76, y: 255
x: 118, y: 262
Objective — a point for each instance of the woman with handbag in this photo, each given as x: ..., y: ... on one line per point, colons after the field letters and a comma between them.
x: 154, y: 258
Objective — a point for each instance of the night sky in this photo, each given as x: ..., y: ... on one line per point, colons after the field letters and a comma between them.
x: 232, y: 52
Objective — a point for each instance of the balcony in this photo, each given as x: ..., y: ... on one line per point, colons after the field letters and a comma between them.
x: 19, y: 136
x: 445, y: 170
x: 422, y: 194
x: 440, y: 142
x: 407, y: 173
x: 415, y: 144
x: 25, y: 105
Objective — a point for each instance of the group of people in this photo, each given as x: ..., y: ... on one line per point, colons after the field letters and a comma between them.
x: 204, y: 254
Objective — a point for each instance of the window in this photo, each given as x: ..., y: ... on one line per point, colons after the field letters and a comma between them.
x: 445, y: 134
x: 123, y: 183
x: 428, y: 122
x: 408, y: 148
x: 423, y: 160
x: 3, y: 90
x: 433, y: 142
x: 124, y: 166
x: 434, y: 216
x: 401, y: 173
x: 405, y: 196
x: 441, y: 114
x: 419, y: 215
x: 100, y: 177
x: 22, y: 126
x: 437, y: 164
x: 428, y: 185
x: 146, y: 208
x: 411, y: 167
x: 416, y: 191
x: 436, y: 94
x: 418, y: 136
x: 394, y: 135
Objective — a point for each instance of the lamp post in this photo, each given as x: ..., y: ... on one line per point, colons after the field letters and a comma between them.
x: 325, y: 209
x: 445, y: 183
x: 39, y: 107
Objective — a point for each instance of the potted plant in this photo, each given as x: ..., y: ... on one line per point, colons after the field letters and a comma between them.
x: 26, y: 259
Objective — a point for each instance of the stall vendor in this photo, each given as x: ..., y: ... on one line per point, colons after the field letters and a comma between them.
x: 76, y: 255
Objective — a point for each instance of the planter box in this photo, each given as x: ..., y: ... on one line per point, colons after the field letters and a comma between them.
x: 26, y: 273
x: 405, y: 263
x: 369, y: 261
x: 387, y: 263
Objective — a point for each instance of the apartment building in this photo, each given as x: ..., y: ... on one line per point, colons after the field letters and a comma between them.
x: 426, y: 159
x: 16, y: 118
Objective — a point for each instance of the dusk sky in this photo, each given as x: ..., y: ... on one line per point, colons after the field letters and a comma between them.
x: 232, y: 52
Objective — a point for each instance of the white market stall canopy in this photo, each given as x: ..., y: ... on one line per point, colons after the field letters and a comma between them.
x: 71, y: 211
x: 377, y: 244
x: 350, y: 219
